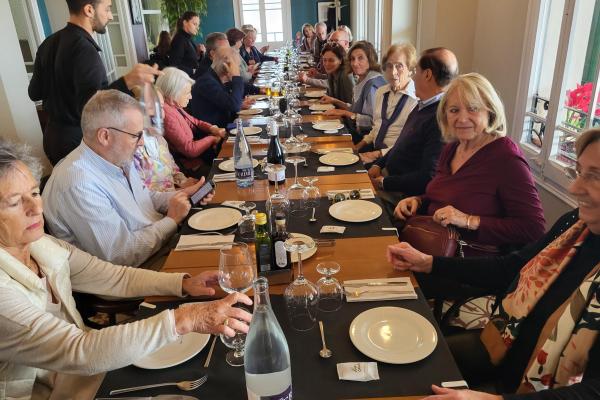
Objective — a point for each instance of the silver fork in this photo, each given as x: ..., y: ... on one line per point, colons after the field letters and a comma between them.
x: 183, y: 385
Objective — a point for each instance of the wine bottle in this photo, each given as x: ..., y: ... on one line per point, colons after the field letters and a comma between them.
x: 242, y: 158
x: 267, y: 356
x: 262, y: 244
x: 280, y: 258
x: 275, y: 155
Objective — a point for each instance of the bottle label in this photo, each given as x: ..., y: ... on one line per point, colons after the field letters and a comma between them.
x: 244, y: 173
x: 280, y: 255
x: 264, y: 257
x: 277, y: 176
x: 285, y: 395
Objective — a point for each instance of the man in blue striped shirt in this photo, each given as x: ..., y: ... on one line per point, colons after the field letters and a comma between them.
x: 95, y: 198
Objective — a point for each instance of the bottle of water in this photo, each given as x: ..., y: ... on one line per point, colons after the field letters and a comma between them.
x: 242, y: 158
x: 267, y: 356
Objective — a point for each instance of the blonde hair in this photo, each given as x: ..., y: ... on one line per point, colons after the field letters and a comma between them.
x: 307, y: 25
x: 172, y: 83
x: 476, y: 91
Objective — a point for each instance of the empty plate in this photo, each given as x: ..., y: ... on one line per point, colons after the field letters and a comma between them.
x: 321, y: 107
x: 227, y: 165
x: 250, y: 111
x: 214, y: 219
x: 355, y: 211
x: 328, y: 126
x: 175, y: 353
x: 307, y: 254
x: 339, y: 158
x: 248, y: 131
x: 315, y: 94
x: 393, y: 335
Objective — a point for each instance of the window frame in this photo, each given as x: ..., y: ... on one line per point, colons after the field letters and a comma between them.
x: 286, y: 13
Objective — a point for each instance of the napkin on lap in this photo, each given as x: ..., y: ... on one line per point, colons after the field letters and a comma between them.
x: 380, y: 292
x: 202, y: 242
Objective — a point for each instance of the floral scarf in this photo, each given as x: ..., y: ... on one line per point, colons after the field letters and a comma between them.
x: 560, y: 355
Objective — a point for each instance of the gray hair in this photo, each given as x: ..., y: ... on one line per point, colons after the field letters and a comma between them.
x: 212, y: 39
x: 222, y: 56
x: 172, y: 83
x: 321, y: 24
x: 105, y: 109
x: 12, y: 152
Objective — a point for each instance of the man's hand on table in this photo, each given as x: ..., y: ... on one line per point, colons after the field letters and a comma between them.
x: 369, y: 156
x: 198, y: 285
x: 404, y: 257
x: 214, y: 317
x: 441, y: 393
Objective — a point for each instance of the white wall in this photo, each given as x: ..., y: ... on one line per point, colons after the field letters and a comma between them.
x: 19, y: 18
x: 404, y: 22
x: 58, y: 13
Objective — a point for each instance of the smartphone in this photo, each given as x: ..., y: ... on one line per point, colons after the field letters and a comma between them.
x: 208, y: 187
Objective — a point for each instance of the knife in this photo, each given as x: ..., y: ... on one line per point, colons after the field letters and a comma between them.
x: 159, y: 397
x: 376, y: 284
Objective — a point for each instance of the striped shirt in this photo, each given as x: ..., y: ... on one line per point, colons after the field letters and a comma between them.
x: 105, y: 210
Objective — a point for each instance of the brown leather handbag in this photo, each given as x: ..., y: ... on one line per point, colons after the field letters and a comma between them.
x: 429, y: 237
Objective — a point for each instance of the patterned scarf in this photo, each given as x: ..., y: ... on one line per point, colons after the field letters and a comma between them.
x: 560, y: 355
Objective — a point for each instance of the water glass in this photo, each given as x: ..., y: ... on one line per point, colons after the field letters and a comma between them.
x: 331, y: 293
x: 301, y: 295
x: 247, y: 225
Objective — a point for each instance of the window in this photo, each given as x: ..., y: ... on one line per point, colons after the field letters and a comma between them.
x: 154, y: 23
x: 563, y: 72
x: 270, y: 18
x: 29, y: 29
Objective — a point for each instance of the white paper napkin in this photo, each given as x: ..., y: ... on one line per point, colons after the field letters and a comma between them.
x: 232, y: 203
x: 333, y: 229
x: 250, y: 139
x: 226, y: 177
x: 358, y: 371
x: 203, y: 242
x: 364, y: 193
x: 325, y: 169
x: 340, y: 149
x: 377, y: 293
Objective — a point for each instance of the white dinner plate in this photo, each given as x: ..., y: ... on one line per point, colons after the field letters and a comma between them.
x: 393, y: 335
x: 315, y: 94
x: 355, y: 211
x: 175, y: 353
x: 250, y: 111
x: 214, y: 219
x: 307, y: 254
x: 227, y: 165
x: 258, y: 97
x: 338, y: 158
x: 328, y: 126
x: 321, y: 107
x: 248, y: 130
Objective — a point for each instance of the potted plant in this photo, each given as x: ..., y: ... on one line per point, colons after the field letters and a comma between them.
x: 172, y: 9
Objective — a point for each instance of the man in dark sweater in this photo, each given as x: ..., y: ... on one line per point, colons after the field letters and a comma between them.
x: 214, y: 40
x: 410, y: 164
x: 68, y: 71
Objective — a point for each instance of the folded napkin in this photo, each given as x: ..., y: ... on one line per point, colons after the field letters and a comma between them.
x: 226, y: 177
x: 359, y: 290
x: 203, y: 242
x: 358, y: 371
x: 250, y: 139
x: 364, y: 193
x: 232, y: 203
x: 340, y: 149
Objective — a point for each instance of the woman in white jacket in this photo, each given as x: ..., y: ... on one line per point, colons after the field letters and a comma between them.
x: 45, y: 349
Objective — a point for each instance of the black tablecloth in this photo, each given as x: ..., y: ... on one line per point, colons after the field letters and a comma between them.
x: 300, y: 223
x: 312, y: 377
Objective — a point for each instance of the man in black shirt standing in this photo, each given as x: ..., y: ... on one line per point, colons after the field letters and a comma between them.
x: 68, y: 71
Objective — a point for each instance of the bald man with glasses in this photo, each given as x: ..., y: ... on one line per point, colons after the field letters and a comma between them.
x: 95, y: 198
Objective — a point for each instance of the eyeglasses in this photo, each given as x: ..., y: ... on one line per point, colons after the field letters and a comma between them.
x: 398, y: 66
x: 137, y: 136
x: 588, y: 177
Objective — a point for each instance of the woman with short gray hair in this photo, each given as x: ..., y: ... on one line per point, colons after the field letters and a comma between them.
x: 191, y: 141
x: 46, y: 351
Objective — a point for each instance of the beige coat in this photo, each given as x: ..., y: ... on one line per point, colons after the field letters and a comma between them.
x: 33, y: 340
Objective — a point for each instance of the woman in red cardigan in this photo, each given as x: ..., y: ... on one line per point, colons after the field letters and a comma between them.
x: 192, y: 141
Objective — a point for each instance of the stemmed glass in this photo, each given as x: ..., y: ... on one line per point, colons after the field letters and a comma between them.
x: 301, y: 295
x: 295, y: 160
x: 247, y: 223
x: 236, y: 274
x: 313, y: 194
x: 331, y: 293
x: 277, y: 203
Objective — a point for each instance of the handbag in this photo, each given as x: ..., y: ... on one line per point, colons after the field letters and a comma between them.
x: 429, y: 237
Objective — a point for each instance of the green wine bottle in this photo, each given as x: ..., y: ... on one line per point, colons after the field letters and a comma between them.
x: 262, y: 243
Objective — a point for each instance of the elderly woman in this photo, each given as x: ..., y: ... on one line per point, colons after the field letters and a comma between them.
x: 249, y: 52
x: 339, y: 83
x: 308, y: 38
x: 154, y: 162
x: 46, y: 351
x: 393, y: 102
x: 483, y: 185
x: 191, y: 140
x: 543, y: 344
x: 367, y: 72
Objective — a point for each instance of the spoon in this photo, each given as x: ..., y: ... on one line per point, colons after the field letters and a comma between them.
x: 313, y: 219
x: 324, y: 352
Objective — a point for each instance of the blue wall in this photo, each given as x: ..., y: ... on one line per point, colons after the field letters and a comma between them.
x: 303, y: 11
x: 44, y: 17
x: 219, y: 17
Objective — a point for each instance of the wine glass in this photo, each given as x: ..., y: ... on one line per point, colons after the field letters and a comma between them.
x: 331, y: 293
x: 301, y: 295
x: 313, y: 194
x: 246, y: 226
x: 296, y: 160
x: 277, y: 203
x: 236, y: 274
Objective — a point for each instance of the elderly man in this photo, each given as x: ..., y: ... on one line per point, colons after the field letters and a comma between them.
x: 320, y: 40
x: 410, y: 164
x: 68, y: 71
x: 214, y: 40
x: 218, y: 95
x: 95, y: 198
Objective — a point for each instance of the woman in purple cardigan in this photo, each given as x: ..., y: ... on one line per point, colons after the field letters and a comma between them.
x: 483, y: 185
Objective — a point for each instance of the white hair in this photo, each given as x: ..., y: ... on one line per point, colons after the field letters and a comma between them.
x: 172, y: 83
x: 106, y: 109
x: 12, y: 152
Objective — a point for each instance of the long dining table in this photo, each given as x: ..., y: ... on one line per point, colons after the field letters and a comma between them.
x: 361, y: 253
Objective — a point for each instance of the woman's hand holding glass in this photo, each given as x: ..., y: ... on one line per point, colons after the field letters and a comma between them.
x: 404, y: 257
x: 407, y: 207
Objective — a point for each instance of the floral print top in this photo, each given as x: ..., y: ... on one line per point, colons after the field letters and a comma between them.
x: 156, y: 165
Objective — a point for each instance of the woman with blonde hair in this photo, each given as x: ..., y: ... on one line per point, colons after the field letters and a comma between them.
x: 483, y: 184
x: 308, y: 38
